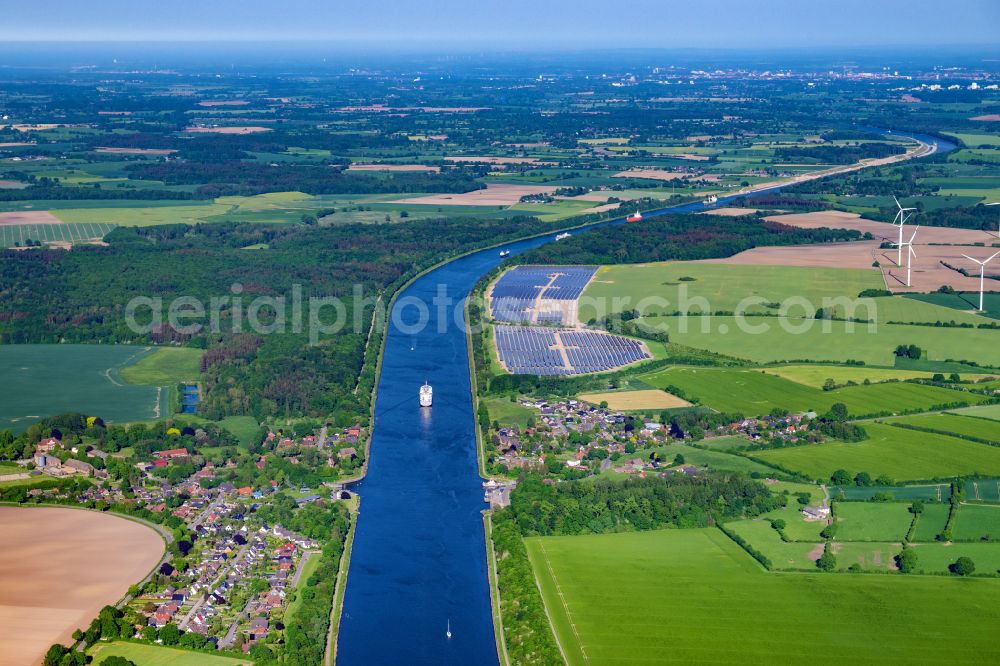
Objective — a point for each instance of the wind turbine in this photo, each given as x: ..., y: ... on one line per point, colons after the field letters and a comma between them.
x: 901, y: 216
x: 910, y: 253
x: 982, y: 270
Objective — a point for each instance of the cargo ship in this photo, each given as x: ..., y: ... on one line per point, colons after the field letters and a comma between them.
x: 426, y: 395
x: 634, y: 218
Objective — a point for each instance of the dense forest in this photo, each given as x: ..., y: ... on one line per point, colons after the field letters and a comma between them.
x: 678, y: 238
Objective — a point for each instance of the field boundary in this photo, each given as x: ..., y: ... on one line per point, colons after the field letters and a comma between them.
x: 550, y: 574
x: 336, y: 613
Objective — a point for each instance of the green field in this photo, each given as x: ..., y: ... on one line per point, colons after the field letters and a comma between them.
x: 872, y: 521
x: 976, y: 140
x: 984, y: 429
x: 155, y: 655
x: 659, y: 287
x: 797, y: 528
x: 772, y: 341
x: 901, y: 454
x: 716, y: 460
x: 985, y: 412
x: 42, y: 380
x: 142, y: 216
x: 507, y: 412
x: 977, y: 522
x: 166, y: 365
x: 757, y: 392
x: 931, y: 522
x: 816, y: 375
x: 693, y: 596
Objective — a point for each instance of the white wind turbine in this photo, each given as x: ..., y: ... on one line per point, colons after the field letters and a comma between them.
x: 910, y: 253
x: 900, y: 220
x: 982, y: 270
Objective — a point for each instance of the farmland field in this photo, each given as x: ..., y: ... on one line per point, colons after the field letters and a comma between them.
x: 872, y: 521
x: 157, y: 655
x: 165, y: 365
x: 984, y: 429
x: 722, y: 286
x: 900, y: 454
x: 974, y: 522
x: 756, y: 392
x: 42, y: 598
x: 833, y: 341
x: 816, y: 375
x: 13, y: 235
x: 644, y: 399
x: 617, y: 598
x: 42, y: 380
x: 985, y: 412
x: 931, y: 521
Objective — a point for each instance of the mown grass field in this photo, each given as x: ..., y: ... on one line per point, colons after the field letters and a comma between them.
x: 42, y: 380
x: 872, y: 521
x: 716, y: 460
x: 797, y: 528
x: 985, y: 412
x: 156, y: 655
x: 756, y: 392
x: 901, y: 454
x: 830, y: 341
x: 693, y: 596
x: 975, y: 522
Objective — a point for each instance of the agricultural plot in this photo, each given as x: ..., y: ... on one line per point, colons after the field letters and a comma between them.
x: 872, y: 521
x: 18, y: 235
x: 931, y: 522
x: 165, y: 365
x: 42, y: 380
x: 936, y: 557
x: 983, y: 429
x: 977, y: 522
x: 508, y: 413
x: 816, y: 375
x: 900, y: 454
x: 932, y: 492
x: 694, y: 287
x: 991, y: 412
x: 157, y: 655
x: 797, y: 528
x: 775, y: 340
x: 983, y: 490
x: 636, y: 400
x: 756, y: 392
x: 616, y: 597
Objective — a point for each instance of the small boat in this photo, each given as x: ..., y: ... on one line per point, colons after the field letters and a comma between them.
x: 634, y: 218
x: 504, y: 253
x: 448, y: 632
x: 710, y: 200
x: 562, y: 236
x: 426, y: 395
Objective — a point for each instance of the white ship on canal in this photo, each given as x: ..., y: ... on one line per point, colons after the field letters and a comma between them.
x: 426, y: 395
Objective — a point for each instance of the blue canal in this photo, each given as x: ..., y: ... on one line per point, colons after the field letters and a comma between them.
x: 419, y: 558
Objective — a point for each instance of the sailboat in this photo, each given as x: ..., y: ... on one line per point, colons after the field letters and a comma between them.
x: 448, y: 633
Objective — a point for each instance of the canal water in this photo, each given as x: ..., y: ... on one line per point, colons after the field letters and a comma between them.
x: 419, y: 558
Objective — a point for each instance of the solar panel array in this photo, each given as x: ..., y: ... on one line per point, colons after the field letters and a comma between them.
x: 590, y: 351
x: 514, y: 295
x: 534, y: 351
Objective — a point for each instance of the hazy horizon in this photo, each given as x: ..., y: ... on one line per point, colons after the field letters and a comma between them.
x: 516, y: 24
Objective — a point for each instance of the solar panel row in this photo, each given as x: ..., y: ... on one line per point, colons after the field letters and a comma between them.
x: 536, y: 351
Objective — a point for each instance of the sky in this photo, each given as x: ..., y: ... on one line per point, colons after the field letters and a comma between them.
x: 521, y: 24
